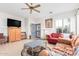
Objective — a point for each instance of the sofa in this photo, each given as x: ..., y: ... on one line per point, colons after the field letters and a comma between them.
x: 68, y: 50
x: 53, y: 37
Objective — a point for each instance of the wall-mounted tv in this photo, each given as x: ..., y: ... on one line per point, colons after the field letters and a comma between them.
x: 13, y: 23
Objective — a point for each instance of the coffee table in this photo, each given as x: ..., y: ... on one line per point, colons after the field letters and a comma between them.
x: 33, y: 44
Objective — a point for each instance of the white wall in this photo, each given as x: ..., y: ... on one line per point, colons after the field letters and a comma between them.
x: 3, y: 22
x: 69, y: 14
x: 44, y: 30
x: 31, y: 20
x: 78, y: 24
x: 73, y: 24
x: 36, y: 19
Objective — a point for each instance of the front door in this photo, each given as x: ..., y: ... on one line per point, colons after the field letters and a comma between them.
x: 38, y: 32
x: 35, y: 30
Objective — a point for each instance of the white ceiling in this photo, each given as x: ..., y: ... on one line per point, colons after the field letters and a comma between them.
x: 15, y: 8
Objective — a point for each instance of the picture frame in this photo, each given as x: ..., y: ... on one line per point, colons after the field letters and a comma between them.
x: 48, y: 23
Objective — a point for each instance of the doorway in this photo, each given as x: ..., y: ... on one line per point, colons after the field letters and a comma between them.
x: 35, y: 30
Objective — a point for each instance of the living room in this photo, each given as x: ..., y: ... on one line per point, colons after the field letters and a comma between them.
x: 39, y: 24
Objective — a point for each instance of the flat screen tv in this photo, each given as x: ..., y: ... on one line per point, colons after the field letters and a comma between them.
x: 13, y: 23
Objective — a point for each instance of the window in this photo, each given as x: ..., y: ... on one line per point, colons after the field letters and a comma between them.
x: 59, y: 25
x: 63, y: 25
x: 66, y: 25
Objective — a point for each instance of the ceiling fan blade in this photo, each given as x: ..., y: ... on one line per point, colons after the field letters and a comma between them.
x: 37, y: 6
x: 36, y: 10
x: 30, y: 11
x: 27, y: 4
x: 24, y: 8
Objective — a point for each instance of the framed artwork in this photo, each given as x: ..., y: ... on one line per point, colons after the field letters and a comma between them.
x: 48, y: 23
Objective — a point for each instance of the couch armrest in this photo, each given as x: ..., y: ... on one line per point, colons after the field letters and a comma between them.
x: 64, y: 41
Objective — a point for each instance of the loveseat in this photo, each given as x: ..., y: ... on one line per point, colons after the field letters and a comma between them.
x: 53, y: 37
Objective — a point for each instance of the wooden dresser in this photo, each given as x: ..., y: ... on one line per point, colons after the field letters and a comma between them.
x: 14, y: 34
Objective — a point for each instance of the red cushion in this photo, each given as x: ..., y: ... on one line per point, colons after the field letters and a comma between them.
x: 55, y: 35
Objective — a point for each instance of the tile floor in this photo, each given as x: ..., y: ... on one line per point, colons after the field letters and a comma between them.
x: 13, y: 48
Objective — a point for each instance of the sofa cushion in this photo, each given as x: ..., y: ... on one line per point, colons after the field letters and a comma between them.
x: 57, y: 35
x: 54, y: 35
x: 63, y: 48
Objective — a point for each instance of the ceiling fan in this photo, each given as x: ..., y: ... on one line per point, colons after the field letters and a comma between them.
x: 31, y: 7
